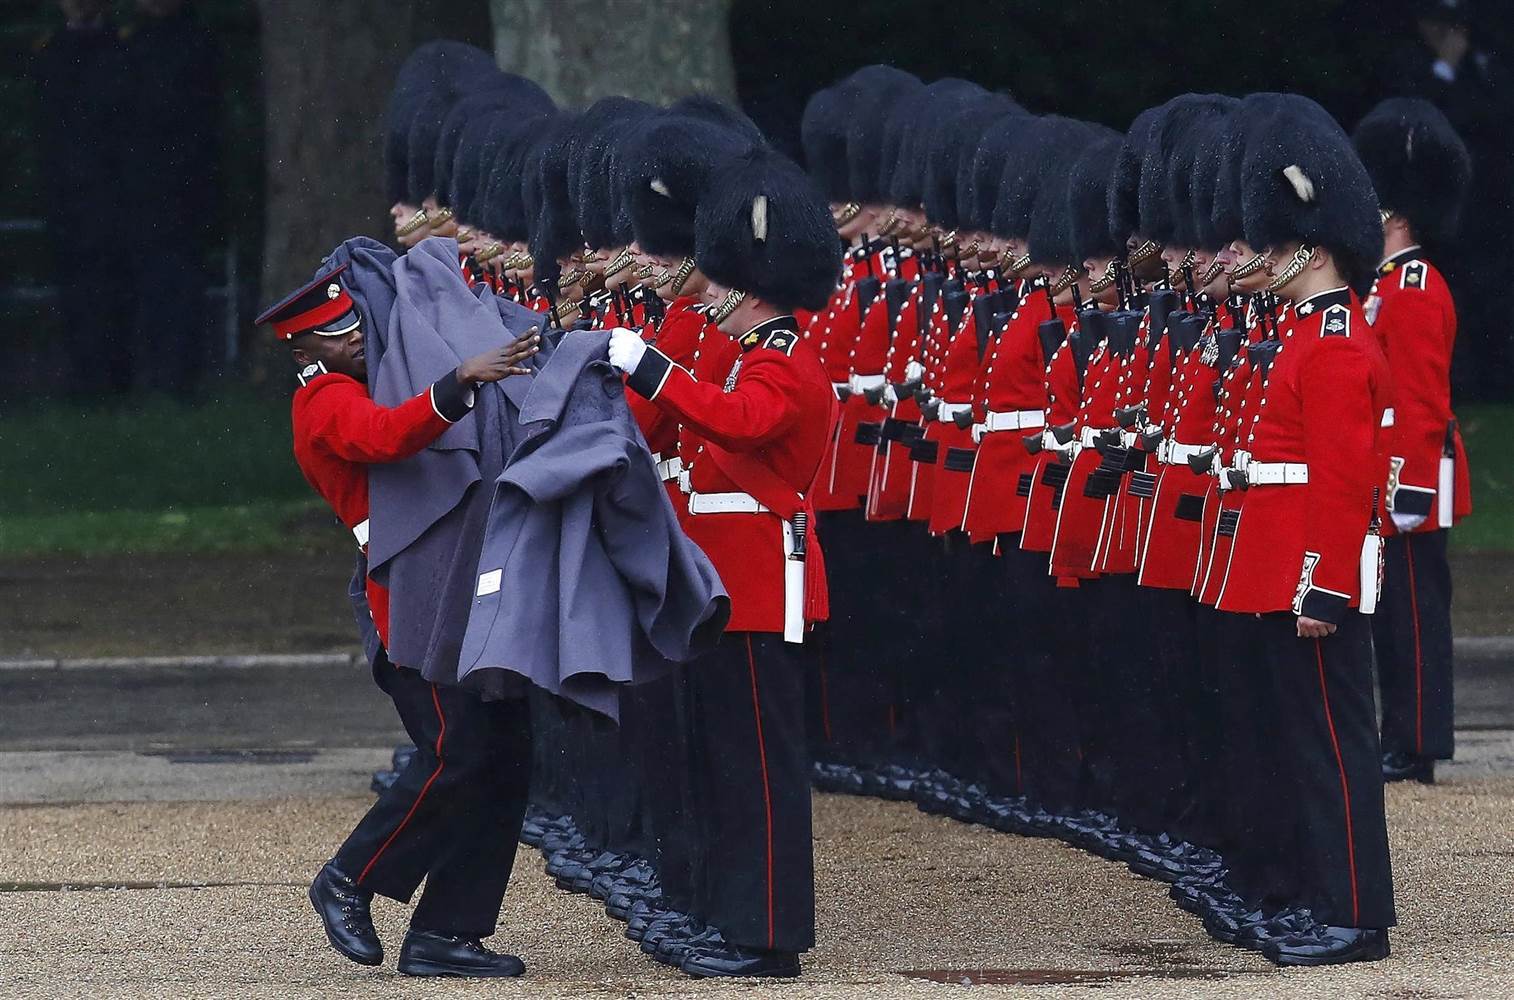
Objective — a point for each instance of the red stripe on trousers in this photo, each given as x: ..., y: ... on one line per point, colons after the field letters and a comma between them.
x: 1419, y: 662
x: 767, y: 795
x: 441, y: 733
x: 1319, y: 658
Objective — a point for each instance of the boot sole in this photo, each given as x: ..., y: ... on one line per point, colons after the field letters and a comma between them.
x: 1373, y: 955
x: 434, y: 970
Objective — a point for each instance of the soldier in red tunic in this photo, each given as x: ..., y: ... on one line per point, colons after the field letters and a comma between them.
x: 753, y: 444
x: 449, y: 815
x: 1420, y: 169
x: 1304, y: 564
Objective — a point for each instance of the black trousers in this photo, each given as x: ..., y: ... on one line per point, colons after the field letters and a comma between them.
x: 1332, y: 769
x: 752, y: 791
x: 1411, y: 633
x: 1258, y: 808
x: 454, y: 814
x: 668, y: 769
x: 1046, y: 748
x: 850, y: 695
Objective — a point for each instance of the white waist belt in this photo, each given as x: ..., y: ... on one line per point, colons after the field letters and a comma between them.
x: 360, y: 532
x: 1087, y: 436
x: 948, y: 411
x: 669, y: 468
x: 724, y: 503
x: 1177, y: 453
x: 1014, y: 420
x: 861, y: 383
x: 1277, y: 473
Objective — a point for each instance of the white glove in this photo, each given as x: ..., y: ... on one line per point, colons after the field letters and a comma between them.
x: 1406, y: 523
x: 626, y: 349
x: 914, y: 371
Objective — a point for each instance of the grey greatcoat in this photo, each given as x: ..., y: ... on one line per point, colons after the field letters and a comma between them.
x: 586, y: 580
x: 548, y: 475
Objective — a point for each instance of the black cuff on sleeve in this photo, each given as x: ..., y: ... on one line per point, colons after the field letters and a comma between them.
x: 1413, y: 500
x: 1322, y: 605
x: 651, y: 373
x: 451, y: 400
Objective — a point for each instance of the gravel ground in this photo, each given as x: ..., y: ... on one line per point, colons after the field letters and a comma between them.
x: 206, y: 899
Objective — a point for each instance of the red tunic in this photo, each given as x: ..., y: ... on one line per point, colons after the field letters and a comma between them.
x: 1415, y: 320
x: 893, y: 472
x: 772, y: 405
x: 1298, y: 545
x: 833, y: 333
x: 1171, y: 542
x: 339, y: 431
x: 1012, y: 379
x: 1064, y: 395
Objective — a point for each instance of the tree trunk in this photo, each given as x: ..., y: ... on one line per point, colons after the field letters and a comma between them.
x: 327, y: 69
x: 581, y: 50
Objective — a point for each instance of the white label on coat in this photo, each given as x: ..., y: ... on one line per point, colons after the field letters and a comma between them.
x: 488, y: 583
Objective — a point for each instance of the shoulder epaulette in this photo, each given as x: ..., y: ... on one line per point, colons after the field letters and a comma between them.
x: 1335, y: 322
x: 777, y: 340
x: 1413, y: 275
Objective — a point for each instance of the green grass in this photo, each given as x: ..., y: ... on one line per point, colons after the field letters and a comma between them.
x: 155, y: 476
x: 1490, y: 453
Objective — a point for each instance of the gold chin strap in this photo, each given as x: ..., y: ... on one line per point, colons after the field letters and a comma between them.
x: 973, y: 249
x: 1384, y: 215
x: 680, y: 277
x: 443, y: 215
x: 1211, y: 272
x: 1247, y: 268
x: 891, y: 222
x: 488, y: 253
x: 1065, y: 280
x: 1144, y: 252
x: 464, y: 234
x: 1018, y: 264
x: 1300, y: 260
x: 1104, y: 280
x: 417, y: 220
x: 519, y: 261
x: 847, y: 213
x: 723, y: 309
x: 571, y: 278
x: 564, y: 312
x: 622, y: 260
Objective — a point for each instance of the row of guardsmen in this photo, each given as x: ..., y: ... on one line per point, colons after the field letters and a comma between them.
x: 1126, y: 435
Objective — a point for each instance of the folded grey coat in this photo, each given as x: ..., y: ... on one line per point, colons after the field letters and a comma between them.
x: 586, y: 581
x: 548, y: 477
